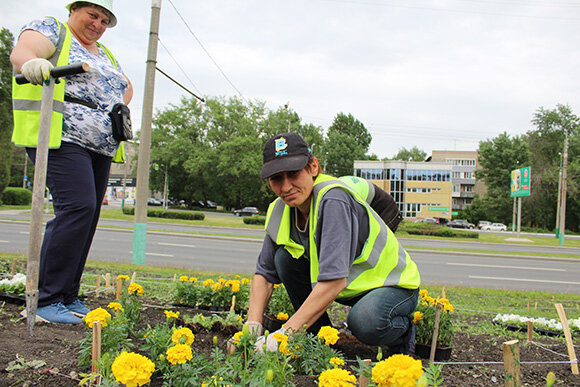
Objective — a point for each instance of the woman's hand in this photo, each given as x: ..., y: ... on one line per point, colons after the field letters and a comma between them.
x: 37, y: 71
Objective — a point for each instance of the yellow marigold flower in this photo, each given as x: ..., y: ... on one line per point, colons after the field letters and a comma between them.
x: 276, y: 286
x: 236, y: 287
x: 183, y: 336
x: 183, y: 278
x: 98, y: 314
x: 179, y: 354
x: 208, y: 282
x: 423, y: 293
x: 283, y: 347
x: 337, y: 361
x: 222, y: 281
x: 397, y: 370
x: 170, y: 314
x: 115, y: 306
x: 282, y: 316
x: 448, y: 308
x: 146, y: 334
x: 280, y: 337
x: 192, y: 279
x: 328, y: 334
x: 135, y: 288
x: 417, y: 316
x: 336, y: 377
x: 132, y: 369
x: 122, y: 277
x: 442, y: 301
x: 217, y: 286
x: 237, y: 337
x: 430, y: 300
x: 245, y: 281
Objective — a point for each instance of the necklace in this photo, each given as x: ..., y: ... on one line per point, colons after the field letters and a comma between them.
x: 296, y: 220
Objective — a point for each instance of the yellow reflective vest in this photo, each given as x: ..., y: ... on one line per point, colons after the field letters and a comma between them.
x: 382, y: 262
x: 27, y: 98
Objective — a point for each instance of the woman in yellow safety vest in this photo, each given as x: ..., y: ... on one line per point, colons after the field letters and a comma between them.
x: 81, y: 145
x: 325, y: 243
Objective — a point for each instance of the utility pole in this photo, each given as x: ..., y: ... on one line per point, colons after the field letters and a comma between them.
x: 564, y: 189
x: 140, y: 227
x: 559, y: 199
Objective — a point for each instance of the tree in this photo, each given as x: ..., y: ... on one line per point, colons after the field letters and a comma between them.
x: 413, y: 154
x: 6, y: 123
x: 347, y: 140
x: 497, y: 158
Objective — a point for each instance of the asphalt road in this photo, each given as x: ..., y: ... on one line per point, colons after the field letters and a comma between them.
x: 238, y: 254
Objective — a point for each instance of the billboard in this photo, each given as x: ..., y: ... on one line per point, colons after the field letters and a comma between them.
x: 520, y: 182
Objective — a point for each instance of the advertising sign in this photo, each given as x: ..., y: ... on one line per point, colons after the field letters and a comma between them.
x: 520, y: 182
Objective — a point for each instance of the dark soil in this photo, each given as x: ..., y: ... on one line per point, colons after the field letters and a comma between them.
x: 57, y: 346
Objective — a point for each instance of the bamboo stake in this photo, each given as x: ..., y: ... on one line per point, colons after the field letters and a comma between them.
x: 363, y: 381
x: 569, y: 343
x: 536, y: 306
x: 530, y: 330
x: 96, y: 345
x: 435, y: 333
x: 174, y: 277
x: 511, y: 363
x: 119, y: 288
x: 443, y: 292
x: 98, y: 287
x: 233, y: 303
x: 133, y: 277
x: 108, y: 281
x: 14, y: 265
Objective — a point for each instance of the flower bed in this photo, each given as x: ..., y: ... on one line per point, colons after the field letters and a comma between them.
x: 550, y: 327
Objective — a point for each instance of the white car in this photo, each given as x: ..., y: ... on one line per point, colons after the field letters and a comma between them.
x: 495, y: 227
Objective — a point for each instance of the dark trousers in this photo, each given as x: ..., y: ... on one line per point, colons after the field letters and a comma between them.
x: 77, y: 179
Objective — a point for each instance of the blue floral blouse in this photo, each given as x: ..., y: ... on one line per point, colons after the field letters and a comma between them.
x: 104, y: 85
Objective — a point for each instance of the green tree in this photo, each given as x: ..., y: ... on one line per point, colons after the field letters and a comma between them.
x: 347, y: 140
x: 6, y: 123
x: 497, y: 158
x: 413, y: 154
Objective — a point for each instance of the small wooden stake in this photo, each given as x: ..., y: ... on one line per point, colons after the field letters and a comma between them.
x: 528, y: 305
x: 435, y: 333
x: 108, y: 282
x: 443, y: 292
x: 363, y: 381
x: 96, y: 345
x: 511, y: 363
x: 174, y: 277
x: 530, y: 330
x: 536, y: 306
x: 14, y: 265
x: 133, y: 277
x: 569, y: 343
x: 98, y: 286
x: 119, y: 288
x: 233, y: 303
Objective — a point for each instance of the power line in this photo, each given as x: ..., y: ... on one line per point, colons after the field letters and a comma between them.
x: 181, y: 68
x: 206, y: 51
x: 179, y: 84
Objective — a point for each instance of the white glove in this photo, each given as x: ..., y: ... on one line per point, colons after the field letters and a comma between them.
x: 255, y: 327
x: 36, y: 70
x: 270, y: 342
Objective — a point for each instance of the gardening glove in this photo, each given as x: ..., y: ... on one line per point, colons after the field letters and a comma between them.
x: 269, y: 343
x: 255, y: 327
x: 37, y: 70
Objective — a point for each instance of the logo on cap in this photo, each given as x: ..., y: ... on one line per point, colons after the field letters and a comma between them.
x: 281, y: 146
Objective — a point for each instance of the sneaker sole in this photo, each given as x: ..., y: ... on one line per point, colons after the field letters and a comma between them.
x: 38, y: 318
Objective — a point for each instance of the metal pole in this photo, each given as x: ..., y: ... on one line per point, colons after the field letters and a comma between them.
x: 564, y: 189
x: 514, y: 216
x: 35, y: 238
x: 25, y: 177
x: 140, y: 228
x: 559, y: 199
x: 519, y: 214
x: 165, y: 189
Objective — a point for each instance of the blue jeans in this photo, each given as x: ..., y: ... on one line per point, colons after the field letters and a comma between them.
x: 77, y: 179
x: 382, y: 316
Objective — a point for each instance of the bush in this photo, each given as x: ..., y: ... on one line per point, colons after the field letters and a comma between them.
x: 435, y: 230
x: 16, y: 196
x: 256, y: 219
x: 168, y: 214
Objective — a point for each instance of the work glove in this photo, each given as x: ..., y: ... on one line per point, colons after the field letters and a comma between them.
x: 254, y: 328
x: 269, y: 343
x: 37, y: 71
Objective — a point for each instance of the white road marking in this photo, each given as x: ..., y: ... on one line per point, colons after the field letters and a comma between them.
x: 524, y: 280
x: 155, y: 254
x: 174, y: 244
x: 1, y: 241
x: 503, y: 266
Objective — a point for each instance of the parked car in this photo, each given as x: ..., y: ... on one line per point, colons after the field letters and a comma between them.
x: 483, y: 223
x: 247, y: 211
x: 427, y: 220
x: 495, y: 227
x: 210, y: 204
x: 460, y: 223
x: 154, y: 202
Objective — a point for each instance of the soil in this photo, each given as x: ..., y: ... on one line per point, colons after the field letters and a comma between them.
x: 57, y: 346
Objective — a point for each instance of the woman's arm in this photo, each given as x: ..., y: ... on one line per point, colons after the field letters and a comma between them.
x: 259, y: 297
x: 30, y: 45
x: 129, y: 93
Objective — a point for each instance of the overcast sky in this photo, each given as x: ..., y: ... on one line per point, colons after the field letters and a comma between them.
x: 439, y: 75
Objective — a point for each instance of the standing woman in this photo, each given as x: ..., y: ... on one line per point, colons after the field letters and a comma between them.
x: 81, y: 146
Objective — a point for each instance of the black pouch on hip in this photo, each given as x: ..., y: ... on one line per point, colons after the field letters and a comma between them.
x: 121, y: 120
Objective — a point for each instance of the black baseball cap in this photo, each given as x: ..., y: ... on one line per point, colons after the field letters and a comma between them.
x: 285, y: 152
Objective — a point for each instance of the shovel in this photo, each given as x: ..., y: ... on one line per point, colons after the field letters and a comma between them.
x: 34, y: 240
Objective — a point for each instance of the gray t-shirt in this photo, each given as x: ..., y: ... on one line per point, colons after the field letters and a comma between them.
x: 342, y: 230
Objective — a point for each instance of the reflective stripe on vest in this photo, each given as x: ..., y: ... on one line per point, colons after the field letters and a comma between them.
x: 383, y: 261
